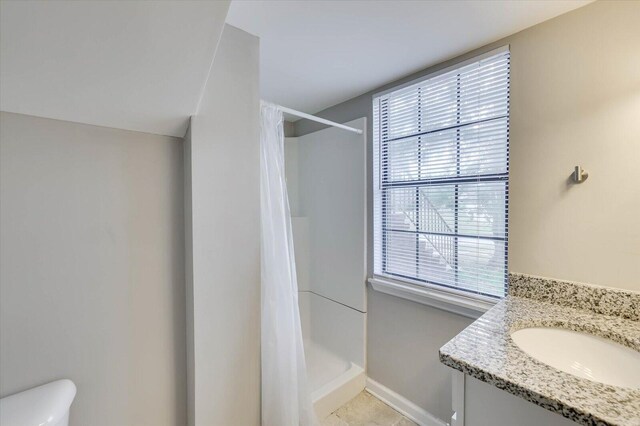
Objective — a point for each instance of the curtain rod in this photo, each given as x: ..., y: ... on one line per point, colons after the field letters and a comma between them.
x: 318, y: 119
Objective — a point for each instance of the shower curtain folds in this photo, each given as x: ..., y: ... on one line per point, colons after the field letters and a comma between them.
x: 286, y: 400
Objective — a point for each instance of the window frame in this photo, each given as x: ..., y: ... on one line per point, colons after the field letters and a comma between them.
x: 441, y: 295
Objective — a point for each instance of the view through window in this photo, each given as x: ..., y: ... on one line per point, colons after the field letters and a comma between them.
x: 441, y: 168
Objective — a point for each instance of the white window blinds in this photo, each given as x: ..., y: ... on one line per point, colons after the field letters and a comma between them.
x: 441, y: 167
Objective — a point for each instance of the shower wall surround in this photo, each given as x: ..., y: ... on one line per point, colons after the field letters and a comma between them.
x: 326, y: 184
x: 331, y: 195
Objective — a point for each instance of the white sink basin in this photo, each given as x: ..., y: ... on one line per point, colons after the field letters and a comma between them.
x: 583, y: 355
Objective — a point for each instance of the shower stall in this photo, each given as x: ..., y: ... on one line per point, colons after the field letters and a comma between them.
x: 326, y: 183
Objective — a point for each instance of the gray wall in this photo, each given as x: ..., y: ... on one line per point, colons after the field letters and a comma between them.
x: 223, y: 238
x: 92, y: 268
x: 289, y: 128
x: 575, y: 99
x: 188, y: 260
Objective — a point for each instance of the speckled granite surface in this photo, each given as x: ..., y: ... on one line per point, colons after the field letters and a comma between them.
x: 486, y: 351
x: 601, y: 300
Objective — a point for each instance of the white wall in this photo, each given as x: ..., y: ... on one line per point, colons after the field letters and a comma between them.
x: 224, y: 234
x: 575, y: 99
x: 92, y: 268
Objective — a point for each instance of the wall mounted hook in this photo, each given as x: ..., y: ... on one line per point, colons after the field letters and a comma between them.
x: 580, y: 174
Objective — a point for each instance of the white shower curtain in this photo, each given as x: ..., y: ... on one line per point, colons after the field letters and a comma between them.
x: 286, y: 400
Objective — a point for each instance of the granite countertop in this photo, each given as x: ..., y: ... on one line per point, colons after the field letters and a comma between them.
x: 485, y: 350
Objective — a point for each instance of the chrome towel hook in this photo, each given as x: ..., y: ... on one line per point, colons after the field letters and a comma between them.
x: 580, y: 174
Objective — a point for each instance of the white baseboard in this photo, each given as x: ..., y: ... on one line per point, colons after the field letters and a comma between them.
x: 402, y: 404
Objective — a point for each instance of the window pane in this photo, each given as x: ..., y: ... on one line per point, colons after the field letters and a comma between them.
x: 484, y: 92
x: 400, y: 209
x: 438, y: 154
x: 482, y: 209
x: 481, y: 265
x: 437, y: 259
x: 400, y: 250
x: 437, y: 209
x: 438, y: 104
x: 403, y: 115
x: 484, y: 148
x: 401, y: 160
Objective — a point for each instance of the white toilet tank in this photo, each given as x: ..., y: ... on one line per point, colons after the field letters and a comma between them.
x: 46, y: 405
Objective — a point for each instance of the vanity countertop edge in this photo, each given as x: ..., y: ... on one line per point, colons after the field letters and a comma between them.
x: 486, y: 351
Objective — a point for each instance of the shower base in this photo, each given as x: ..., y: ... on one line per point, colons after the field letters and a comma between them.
x: 334, y: 351
x: 334, y: 381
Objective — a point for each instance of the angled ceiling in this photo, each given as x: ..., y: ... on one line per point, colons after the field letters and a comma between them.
x: 315, y: 54
x: 136, y: 65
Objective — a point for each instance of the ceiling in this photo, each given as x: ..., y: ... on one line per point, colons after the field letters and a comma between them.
x: 136, y: 65
x: 315, y: 54
x: 142, y: 65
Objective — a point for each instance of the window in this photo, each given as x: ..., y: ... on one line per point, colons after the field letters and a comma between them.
x: 441, y: 169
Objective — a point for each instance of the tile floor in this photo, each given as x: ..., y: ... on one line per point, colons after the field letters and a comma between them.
x: 366, y: 410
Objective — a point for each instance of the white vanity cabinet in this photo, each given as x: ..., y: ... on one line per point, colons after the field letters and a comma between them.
x: 476, y: 403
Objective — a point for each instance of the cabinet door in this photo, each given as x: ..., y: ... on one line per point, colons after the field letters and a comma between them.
x: 486, y: 405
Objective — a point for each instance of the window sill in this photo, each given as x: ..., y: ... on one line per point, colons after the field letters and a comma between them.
x: 470, y: 307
